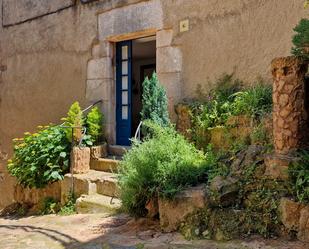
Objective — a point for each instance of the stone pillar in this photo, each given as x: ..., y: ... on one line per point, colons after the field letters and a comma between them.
x: 101, y: 84
x: 290, y: 119
x: 169, y: 67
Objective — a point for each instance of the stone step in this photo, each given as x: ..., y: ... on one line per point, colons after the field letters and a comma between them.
x: 104, y: 164
x: 96, y: 203
x: 117, y: 150
x: 93, y: 182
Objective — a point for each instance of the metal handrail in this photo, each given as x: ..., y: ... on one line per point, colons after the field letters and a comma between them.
x: 138, y: 131
x: 82, y: 137
x: 86, y: 109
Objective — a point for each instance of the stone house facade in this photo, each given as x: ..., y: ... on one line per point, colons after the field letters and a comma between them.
x: 55, y: 52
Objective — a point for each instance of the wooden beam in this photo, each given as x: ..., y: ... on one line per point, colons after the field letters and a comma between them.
x: 132, y: 36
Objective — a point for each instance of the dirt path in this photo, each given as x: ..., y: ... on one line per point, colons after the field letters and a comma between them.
x: 108, y: 232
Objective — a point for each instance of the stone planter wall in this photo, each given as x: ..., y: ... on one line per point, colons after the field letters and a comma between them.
x: 34, y: 197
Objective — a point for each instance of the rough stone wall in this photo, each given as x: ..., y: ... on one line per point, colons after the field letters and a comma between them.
x: 290, y: 116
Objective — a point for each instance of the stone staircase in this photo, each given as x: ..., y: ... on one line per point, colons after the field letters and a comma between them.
x: 97, y: 190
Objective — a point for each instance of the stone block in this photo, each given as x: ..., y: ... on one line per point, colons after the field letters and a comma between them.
x: 80, y: 160
x: 303, y: 233
x: 80, y: 185
x: 108, y: 187
x: 100, y: 69
x: 290, y: 213
x: 103, y: 164
x: 169, y: 60
x: 135, y: 17
x: 102, y: 49
x: 99, y: 151
x: 173, y: 212
x: 224, y: 191
x: 99, y: 89
x: 164, y: 38
x: 277, y: 166
x: 93, y: 204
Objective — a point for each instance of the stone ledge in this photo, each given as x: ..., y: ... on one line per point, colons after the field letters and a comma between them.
x: 295, y: 217
x: 173, y: 212
x: 277, y: 166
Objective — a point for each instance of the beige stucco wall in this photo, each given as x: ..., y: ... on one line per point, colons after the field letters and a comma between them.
x: 43, y: 62
x: 240, y: 36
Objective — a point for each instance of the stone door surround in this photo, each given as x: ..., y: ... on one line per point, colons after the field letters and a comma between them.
x: 126, y: 23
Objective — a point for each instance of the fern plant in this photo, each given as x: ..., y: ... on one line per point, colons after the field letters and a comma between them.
x: 154, y: 102
x: 74, y: 119
x: 301, y: 39
x: 94, y: 122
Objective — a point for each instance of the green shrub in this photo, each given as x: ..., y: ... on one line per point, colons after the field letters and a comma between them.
x: 74, y: 119
x: 163, y: 164
x: 154, y: 101
x: 40, y: 158
x: 94, y: 122
x: 301, y: 39
x: 224, y: 101
x: 299, y: 175
x: 254, y: 101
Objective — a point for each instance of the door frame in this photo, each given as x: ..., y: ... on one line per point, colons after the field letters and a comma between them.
x: 123, y: 125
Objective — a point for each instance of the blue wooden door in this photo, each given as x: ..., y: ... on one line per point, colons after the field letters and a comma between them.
x: 123, y: 92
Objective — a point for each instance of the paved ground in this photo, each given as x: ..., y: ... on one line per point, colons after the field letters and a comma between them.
x: 106, y: 232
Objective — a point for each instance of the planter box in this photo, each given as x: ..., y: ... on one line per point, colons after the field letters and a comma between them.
x: 34, y: 197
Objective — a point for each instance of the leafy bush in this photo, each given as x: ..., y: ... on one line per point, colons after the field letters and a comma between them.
x: 164, y: 164
x: 154, y: 102
x: 40, y: 158
x: 254, y: 101
x: 299, y: 175
x: 301, y: 39
x: 74, y: 119
x: 227, y: 99
x: 94, y: 122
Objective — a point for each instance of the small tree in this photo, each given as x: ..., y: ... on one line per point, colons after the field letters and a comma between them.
x: 94, y: 125
x: 74, y: 119
x: 154, y: 102
x: 301, y: 39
